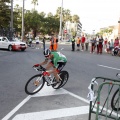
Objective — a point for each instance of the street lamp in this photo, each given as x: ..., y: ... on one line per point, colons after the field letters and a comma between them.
x: 119, y: 28
x: 60, y: 32
x: 11, y: 22
x: 23, y: 21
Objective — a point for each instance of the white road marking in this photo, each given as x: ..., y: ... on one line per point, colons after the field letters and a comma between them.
x: 51, y: 114
x: 16, y: 108
x: 46, y: 91
x: 108, y: 67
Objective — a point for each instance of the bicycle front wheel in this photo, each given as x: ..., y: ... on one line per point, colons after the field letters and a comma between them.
x: 34, y: 84
x: 115, y: 102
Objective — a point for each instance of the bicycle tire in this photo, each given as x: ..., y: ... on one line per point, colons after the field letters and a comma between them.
x: 114, y: 102
x: 65, y: 74
x: 63, y: 82
x: 35, y: 88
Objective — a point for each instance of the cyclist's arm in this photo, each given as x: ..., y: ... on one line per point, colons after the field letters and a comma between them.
x: 44, y: 62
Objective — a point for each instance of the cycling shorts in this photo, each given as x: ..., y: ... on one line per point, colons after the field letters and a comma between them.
x: 60, y: 65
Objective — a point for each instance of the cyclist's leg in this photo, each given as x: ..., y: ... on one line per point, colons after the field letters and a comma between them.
x: 59, y: 68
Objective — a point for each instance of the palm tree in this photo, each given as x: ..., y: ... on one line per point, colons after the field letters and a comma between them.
x: 35, y: 2
x: 75, y: 18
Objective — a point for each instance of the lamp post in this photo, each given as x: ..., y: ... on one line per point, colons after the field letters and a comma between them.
x: 23, y: 21
x: 60, y: 32
x: 11, y: 22
x: 119, y: 28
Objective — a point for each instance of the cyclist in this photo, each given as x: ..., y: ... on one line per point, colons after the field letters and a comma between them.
x: 57, y: 62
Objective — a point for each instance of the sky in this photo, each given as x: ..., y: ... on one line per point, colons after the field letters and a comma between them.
x: 94, y: 14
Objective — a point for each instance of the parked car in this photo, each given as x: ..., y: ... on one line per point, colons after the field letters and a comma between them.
x: 14, y: 44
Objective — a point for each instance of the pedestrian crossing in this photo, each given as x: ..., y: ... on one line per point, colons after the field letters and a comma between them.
x: 70, y: 105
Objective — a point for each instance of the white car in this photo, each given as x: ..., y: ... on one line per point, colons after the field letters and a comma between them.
x: 12, y: 45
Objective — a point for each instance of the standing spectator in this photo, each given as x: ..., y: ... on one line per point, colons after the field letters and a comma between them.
x: 30, y: 42
x: 87, y: 43
x: 73, y: 43
x: 43, y: 43
x: 116, y: 42
x: 108, y: 47
x: 105, y: 44
x: 100, y: 44
x: 97, y: 44
x: 82, y: 42
x: 111, y: 46
x: 92, y: 45
x: 53, y: 43
x: 78, y: 43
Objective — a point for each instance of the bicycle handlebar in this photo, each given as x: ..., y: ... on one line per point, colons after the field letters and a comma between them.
x: 39, y: 68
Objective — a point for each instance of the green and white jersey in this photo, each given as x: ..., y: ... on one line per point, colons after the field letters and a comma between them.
x: 58, y: 57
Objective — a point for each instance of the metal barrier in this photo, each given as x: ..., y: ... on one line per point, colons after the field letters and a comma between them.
x: 104, y: 106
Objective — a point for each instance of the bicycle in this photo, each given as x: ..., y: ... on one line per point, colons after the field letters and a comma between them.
x: 116, y: 98
x: 36, y: 82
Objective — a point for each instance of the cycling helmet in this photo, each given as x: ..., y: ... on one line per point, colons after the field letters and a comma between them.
x: 47, y: 52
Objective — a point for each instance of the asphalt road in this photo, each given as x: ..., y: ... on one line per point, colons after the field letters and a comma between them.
x: 16, y: 69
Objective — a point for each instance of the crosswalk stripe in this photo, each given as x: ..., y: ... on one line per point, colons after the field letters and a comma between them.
x: 51, y: 114
x: 46, y: 91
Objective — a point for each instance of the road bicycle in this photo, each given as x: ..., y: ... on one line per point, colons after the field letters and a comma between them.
x: 36, y: 82
x: 115, y: 101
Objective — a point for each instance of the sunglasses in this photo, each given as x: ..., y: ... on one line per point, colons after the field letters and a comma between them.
x: 47, y: 56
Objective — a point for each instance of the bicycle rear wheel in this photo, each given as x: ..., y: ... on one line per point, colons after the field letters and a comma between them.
x: 115, y: 102
x: 64, y: 75
x: 34, y: 84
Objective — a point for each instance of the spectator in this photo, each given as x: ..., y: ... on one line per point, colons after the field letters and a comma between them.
x: 97, y: 44
x: 78, y: 43
x: 92, y: 45
x: 37, y: 43
x: 53, y: 43
x: 82, y: 42
x: 100, y: 44
x: 111, y: 46
x: 105, y: 44
x: 87, y: 43
x: 116, y: 42
x: 73, y: 43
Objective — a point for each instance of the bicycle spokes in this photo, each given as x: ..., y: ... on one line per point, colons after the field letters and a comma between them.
x: 36, y: 83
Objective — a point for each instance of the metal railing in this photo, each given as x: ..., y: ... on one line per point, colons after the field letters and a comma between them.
x: 104, y: 106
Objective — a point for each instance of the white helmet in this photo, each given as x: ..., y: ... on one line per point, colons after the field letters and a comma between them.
x: 47, y: 52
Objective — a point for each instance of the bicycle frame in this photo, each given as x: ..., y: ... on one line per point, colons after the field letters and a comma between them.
x: 48, y: 79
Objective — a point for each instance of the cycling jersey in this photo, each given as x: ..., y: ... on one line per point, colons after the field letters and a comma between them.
x: 58, y: 57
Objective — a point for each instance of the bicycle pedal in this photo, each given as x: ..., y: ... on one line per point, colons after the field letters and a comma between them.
x: 48, y: 84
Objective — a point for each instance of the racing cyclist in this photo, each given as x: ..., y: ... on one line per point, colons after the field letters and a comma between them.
x: 57, y: 62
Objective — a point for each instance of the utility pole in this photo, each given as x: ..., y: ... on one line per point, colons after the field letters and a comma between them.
x: 23, y: 21
x: 119, y: 28
x: 60, y: 32
x: 11, y: 23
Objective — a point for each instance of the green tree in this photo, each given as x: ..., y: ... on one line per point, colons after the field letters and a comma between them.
x: 5, y: 13
x: 34, y: 21
x: 49, y: 14
x: 17, y: 18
